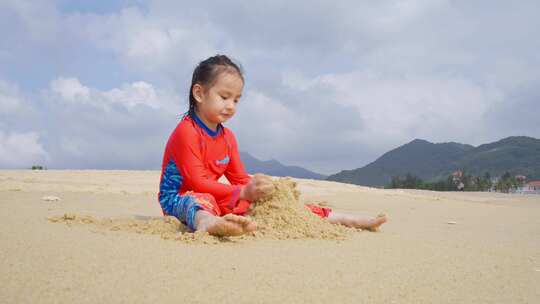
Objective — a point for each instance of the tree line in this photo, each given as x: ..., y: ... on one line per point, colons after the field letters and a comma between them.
x: 464, y: 182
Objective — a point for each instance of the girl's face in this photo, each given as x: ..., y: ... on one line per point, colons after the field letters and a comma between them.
x: 217, y: 103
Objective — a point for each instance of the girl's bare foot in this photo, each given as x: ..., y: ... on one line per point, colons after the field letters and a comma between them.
x: 371, y: 224
x: 228, y: 225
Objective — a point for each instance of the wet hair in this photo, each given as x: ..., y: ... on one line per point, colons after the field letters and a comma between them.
x: 206, y: 73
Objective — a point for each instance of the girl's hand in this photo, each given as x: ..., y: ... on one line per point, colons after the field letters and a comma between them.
x: 259, y: 187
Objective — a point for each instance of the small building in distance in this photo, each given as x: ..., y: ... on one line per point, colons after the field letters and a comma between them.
x: 520, y: 178
x: 530, y: 187
x: 457, y: 174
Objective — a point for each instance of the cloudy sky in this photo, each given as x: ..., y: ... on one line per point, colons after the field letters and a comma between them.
x: 330, y: 85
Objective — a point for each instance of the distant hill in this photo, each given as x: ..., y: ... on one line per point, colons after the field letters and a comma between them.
x: 429, y: 161
x: 517, y: 155
x: 275, y: 168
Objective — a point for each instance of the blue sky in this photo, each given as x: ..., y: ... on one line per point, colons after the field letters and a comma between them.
x: 329, y: 85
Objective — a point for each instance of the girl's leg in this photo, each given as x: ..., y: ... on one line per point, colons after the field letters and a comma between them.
x: 228, y: 225
x: 200, y: 212
x: 356, y: 221
x: 349, y: 220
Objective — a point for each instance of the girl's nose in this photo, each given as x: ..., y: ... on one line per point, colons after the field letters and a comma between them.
x: 230, y: 104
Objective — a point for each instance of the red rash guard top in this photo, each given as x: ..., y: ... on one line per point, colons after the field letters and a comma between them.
x: 196, y: 157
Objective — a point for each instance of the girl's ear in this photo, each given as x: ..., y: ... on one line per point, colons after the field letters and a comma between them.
x: 198, y: 92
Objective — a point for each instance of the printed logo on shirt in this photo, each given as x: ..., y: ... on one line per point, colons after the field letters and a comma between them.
x: 223, y: 161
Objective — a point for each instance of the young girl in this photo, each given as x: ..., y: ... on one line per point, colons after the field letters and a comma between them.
x: 200, y: 150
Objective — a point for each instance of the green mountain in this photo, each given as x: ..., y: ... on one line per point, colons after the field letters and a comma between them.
x: 517, y: 155
x: 429, y: 161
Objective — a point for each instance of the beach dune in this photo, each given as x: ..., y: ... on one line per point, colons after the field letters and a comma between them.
x: 99, y: 236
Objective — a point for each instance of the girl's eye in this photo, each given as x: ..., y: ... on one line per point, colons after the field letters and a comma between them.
x: 223, y: 97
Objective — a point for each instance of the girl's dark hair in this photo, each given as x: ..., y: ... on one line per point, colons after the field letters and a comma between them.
x: 206, y: 73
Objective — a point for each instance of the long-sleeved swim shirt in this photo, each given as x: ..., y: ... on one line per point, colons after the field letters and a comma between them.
x: 196, y: 157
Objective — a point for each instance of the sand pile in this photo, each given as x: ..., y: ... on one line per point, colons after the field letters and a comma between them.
x: 282, y: 216
x: 168, y: 227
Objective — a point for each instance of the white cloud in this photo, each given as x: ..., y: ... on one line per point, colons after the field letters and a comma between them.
x: 395, y: 110
x: 70, y: 89
x: 133, y: 94
x: 148, y: 41
x: 128, y: 95
x: 21, y: 150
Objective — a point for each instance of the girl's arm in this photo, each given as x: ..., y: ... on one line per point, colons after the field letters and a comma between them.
x: 257, y: 186
x: 236, y: 173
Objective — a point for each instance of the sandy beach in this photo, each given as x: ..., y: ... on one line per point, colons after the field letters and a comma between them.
x: 436, y: 247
